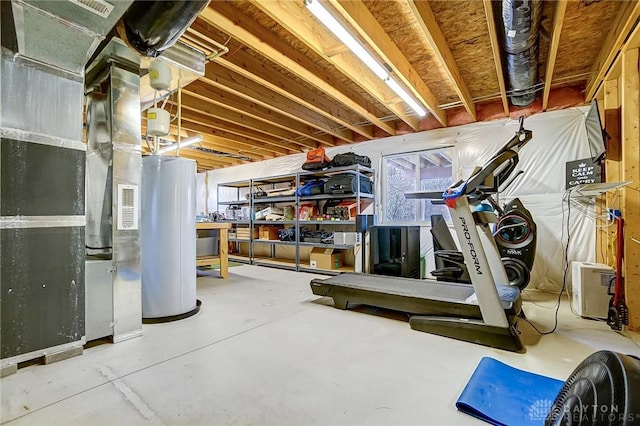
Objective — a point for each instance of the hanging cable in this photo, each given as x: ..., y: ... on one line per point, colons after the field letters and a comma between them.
x: 565, y: 268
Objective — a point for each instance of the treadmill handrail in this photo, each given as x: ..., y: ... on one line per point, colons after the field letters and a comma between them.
x: 486, y: 180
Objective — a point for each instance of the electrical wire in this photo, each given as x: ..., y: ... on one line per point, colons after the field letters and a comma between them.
x: 565, y: 271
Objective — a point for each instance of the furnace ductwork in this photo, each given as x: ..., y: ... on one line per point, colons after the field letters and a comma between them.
x: 153, y: 26
x: 521, y: 27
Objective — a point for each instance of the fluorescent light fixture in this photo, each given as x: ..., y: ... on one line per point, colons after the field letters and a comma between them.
x: 405, y: 96
x: 332, y: 24
x: 183, y: 143
x: 343, y: 35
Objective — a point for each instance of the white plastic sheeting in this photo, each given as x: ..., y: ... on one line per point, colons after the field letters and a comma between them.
x: 558, y: 137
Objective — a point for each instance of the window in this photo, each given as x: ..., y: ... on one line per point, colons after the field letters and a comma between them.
x: 420, y: 171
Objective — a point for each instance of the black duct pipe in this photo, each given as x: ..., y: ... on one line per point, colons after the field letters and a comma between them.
x: 153, y: 26
x: 521, y: 29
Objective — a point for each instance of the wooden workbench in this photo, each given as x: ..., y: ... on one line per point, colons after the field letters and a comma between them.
x: 223, y: 253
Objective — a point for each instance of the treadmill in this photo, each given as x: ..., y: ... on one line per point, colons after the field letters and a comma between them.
x: 485, y: 312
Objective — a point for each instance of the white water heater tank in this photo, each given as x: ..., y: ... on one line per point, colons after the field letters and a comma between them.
x: 168, y: 237
x: 158, y: 122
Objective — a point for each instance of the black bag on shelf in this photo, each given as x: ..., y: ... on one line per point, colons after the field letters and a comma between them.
x: 347, y: 183
x: 287, y: 234
x: 350, y: 159
x: 259, y: 193
x: 318, y: 237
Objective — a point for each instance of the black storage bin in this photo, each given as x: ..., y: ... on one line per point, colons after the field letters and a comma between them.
x: 347, y: 183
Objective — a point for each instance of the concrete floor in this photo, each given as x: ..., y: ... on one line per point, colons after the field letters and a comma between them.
x: 264, y: 350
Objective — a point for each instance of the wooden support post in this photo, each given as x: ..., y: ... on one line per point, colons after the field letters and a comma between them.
x: 630, y: 85
x: 605, y: 237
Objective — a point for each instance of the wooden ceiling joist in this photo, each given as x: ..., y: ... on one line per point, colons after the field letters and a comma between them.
x: 278, y: 82
x: 292, y: 16
x: 618, y: 34
x: 206, y: 158
x: 427, y: 21
x: 212, y: 127
x: 218, y: 110
x: 224, y: 141
x: 236, y: 141
x: 204, y: 162
x: 220, y: 144
x: 497, y: 56
x: 235, y: 144
x: 224, y: 79
x: 203, y: 159
x: 249, y: 67
x: 231, y: 21
x: 238, y: 135
x: 556, y: 30
x: 205, y: 87
x: 359, y: 17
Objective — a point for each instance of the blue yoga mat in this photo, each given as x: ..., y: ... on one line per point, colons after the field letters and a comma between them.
x: 503, y: 395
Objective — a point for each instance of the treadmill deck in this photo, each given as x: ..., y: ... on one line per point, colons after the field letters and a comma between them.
x: 418, y: 297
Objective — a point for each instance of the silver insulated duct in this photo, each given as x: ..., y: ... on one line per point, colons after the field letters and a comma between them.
x: 113, y: 186
x: 521, y: 25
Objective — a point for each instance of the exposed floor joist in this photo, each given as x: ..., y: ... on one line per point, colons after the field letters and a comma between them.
x: 293, y: 17
x: 625, y: 21
x: 497, y: 56
x: 251, y: 68
x: 357, y: 14
x: 218, y: 127
x: 234, y: 103
x: 229, y: 20
x: 217, y: 109
x: 427, y: 20
x: 218, y: 144
x: 234, y: 145
x: 269, y: 92
x: 224, y: 79
x: 556, y: 30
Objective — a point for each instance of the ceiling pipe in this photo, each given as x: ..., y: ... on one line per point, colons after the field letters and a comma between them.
x: 520, y: 23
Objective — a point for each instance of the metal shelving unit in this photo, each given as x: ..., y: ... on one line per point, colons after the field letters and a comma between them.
x: 273, y: 183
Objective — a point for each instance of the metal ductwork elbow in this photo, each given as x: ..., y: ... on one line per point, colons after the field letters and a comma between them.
x: 151, y: 27
x: 520, y: 22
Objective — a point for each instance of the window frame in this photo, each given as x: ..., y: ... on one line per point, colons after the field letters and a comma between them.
x: 384, y: 181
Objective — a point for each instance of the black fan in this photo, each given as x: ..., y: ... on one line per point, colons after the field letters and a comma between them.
x: 603, y: 390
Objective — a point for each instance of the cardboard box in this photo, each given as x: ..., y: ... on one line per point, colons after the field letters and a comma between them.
x: 246, y: 233
x: 261, y: 214
x: 325, y: 258
x: 268, y: 232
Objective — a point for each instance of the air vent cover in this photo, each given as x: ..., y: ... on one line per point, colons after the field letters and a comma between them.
x: 127, y: 207
x: 99, y: 7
